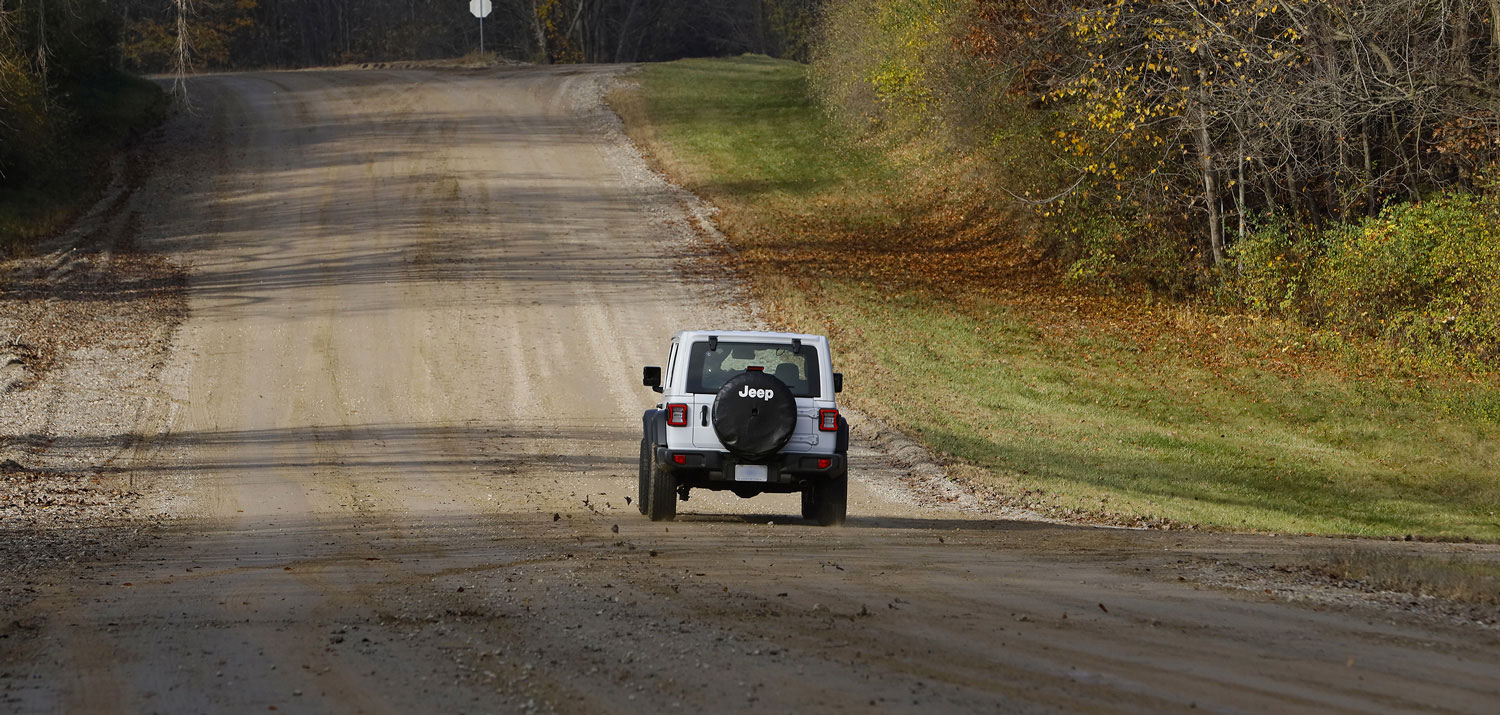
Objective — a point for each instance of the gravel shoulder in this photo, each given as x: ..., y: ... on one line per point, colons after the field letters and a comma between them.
x: 395, y: 437
x: 86, y: 326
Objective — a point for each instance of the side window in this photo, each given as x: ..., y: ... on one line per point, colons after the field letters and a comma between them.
x: 671, y: 364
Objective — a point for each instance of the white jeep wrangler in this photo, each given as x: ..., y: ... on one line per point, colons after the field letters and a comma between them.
x: 747, y: 412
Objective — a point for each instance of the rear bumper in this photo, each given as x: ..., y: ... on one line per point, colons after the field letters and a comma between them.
x: 715, y: 470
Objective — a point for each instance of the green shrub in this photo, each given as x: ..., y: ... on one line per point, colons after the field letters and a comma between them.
x: 1269, y: 271
x: 1116, y: 253
x: 1420, y: 275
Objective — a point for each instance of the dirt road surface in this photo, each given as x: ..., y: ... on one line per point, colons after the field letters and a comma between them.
x: 400, y: 424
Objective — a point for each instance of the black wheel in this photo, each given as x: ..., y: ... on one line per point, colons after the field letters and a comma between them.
x: 754, y: 415
x: 809, y: 502
x: 661, y: 494
x: 643, y: 486
x: 830, y: 500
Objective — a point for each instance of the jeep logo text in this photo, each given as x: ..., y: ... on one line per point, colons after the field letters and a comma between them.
x: 762, y: 394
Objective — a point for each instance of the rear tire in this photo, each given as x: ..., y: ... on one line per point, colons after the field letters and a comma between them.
x: 830, y: 500
x: 661, y: 503
x: 643, y: 487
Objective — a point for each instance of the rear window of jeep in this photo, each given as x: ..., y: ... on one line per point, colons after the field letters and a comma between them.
x: 708, y: 370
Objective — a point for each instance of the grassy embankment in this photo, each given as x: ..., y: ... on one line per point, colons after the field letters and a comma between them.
x: 108, y: 113
x: 1106, y: 409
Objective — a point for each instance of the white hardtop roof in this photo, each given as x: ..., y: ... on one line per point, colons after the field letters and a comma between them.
x: 759, y: 335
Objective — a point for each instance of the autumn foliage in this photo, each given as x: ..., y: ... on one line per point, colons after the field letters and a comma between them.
x: 1154, y: 139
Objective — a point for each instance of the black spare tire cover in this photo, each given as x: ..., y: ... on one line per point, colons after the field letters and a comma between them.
x: 754, y: 415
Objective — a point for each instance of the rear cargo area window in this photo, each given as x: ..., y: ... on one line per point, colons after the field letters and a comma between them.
x: 709, y: 370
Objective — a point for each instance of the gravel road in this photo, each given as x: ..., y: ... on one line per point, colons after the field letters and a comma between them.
x: 397, y: 434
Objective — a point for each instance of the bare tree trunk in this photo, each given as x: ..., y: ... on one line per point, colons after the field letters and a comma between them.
x: 1372, y: 192
x: 574, y: 29
x: 1494, y: 41
x: 1495, y: 30
x: 1206, y: 167
x: 1239, y: 197
x: 760, y: 27
x: 1291, y: 185
x: 1210, y: 194
x: 1461, y: 42
x: 540, y: 32
x: 1408, y: 170
x: 120, y: 47
x: 41, y: 41
x: 625, y: 32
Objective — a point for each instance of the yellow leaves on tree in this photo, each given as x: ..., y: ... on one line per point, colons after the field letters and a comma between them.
x: 557, y: 18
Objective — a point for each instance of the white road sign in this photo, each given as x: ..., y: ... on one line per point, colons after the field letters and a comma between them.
x: 480, y: 8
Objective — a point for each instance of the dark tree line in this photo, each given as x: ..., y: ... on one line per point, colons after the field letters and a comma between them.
x: 56, y: 54
x: 1321, y: 110
x: 52, y: 52
x: 1187, y: 118
x: 299, y: 33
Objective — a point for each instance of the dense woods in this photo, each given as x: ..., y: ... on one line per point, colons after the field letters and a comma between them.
x: 51, y: 53
x: 1274, y: 152
x: 65, y: 107
x: 299, y: 33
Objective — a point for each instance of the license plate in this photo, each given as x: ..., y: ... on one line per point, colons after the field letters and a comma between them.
x: 751, y: 473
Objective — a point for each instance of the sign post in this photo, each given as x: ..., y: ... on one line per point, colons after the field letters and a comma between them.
x: 480, y: 9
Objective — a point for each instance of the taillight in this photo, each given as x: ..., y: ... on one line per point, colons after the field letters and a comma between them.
x: 677, y: 415
x: 828, y: 420
x: 825, y: 463
x: 679, y: 458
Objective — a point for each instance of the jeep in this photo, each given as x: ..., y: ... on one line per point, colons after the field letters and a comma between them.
x: 748, y: 412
